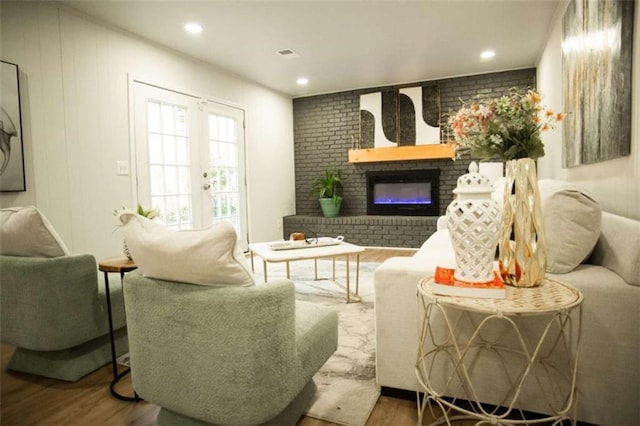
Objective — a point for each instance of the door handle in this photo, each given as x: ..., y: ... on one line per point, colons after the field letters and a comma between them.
x: 206, y: 186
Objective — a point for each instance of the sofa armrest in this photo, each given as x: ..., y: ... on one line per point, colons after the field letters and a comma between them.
x: 618, y: 247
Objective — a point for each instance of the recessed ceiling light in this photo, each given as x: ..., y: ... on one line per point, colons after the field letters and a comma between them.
x: 302, y: 81
x: 487, y: 54
x: 193, y: 28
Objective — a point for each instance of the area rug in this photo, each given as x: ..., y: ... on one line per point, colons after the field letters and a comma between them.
x: 347, y: 389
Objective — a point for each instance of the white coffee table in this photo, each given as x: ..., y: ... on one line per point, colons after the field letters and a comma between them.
x: 269, y: 255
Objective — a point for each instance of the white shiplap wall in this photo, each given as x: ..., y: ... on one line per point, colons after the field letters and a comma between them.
x: 74, y: 89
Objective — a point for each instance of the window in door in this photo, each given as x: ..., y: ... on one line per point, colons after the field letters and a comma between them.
x: 224, y: 169
x: 190, y: 159
x: 169, y: 163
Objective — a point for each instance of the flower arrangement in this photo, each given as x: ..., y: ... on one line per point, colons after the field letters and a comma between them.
x: 149, y: 213
x: 505, y: 128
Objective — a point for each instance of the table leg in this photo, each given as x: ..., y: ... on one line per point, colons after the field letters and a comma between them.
x: 264, y: 269
x: 348, y: 284
x: 288, y: 270
x: 114, y: 364
x: 357, y: 274
x: 251, y: 254
x: 315, y: 268
x: 334, y: 268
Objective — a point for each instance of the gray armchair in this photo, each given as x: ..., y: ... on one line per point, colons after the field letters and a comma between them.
x: 225, y: 355
x: 53, y: 309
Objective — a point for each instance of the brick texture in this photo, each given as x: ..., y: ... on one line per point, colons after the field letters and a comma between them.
x: 325, y: 127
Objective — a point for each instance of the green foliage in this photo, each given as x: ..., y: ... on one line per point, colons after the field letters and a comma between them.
x: 149, y: 213
x: 328, y: 185
x: 505, y: 128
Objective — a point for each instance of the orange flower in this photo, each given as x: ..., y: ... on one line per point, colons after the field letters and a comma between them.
x: 548, y: 113
x: 559, y: 116
x: 534, y: 96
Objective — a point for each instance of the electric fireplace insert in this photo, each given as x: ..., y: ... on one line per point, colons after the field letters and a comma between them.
x: 403, y: 192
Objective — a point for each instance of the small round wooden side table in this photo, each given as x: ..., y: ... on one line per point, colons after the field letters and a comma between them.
x: 121, y: 265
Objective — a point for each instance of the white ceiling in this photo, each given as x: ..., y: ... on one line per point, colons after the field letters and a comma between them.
x: 342, y: 45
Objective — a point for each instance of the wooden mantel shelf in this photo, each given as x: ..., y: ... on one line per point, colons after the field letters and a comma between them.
x: 402, y: 153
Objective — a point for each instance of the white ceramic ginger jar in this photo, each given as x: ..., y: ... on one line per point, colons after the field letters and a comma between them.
x: 474, y: 221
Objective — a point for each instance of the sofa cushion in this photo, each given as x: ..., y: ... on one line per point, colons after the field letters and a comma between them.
x: 437, y: 245
x: 572, y: 222
x: 24, y: 231
x: 206, y: 256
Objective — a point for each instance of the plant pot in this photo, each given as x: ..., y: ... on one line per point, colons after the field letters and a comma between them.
x: 329, y: 208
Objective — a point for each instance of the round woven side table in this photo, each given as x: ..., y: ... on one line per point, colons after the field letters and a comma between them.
x: 479, y: 359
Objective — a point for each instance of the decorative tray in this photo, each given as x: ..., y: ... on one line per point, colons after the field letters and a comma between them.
x: 302, y: 244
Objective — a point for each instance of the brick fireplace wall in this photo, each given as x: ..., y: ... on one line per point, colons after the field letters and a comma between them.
x: 324, y: 129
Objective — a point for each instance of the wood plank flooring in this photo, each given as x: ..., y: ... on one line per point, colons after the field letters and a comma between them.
x: 33, y: 400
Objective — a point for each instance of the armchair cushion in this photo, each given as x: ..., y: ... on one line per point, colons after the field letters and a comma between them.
x: 208, y: 256
x: 24, y: 231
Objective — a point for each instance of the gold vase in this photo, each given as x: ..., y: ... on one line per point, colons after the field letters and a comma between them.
x: 522, y: 251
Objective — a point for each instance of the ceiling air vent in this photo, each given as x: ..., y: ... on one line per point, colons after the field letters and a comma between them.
x: 288, y: 53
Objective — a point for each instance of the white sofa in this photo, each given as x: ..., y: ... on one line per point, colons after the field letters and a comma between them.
x: 608, y: 382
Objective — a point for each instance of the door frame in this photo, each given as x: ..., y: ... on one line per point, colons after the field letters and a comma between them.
x: 133, y: 172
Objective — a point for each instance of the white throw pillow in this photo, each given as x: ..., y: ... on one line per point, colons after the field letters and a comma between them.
x: 24, y: 231
x: 207, y: 256
x: 572, y: 223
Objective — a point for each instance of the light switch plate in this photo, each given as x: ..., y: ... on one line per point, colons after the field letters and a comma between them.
x: 122, y: 168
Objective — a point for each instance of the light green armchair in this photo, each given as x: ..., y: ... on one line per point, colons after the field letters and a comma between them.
x: 225, y: 355
x: 54, y: 311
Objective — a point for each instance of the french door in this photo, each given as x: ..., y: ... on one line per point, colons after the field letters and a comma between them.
x: 189, y: 159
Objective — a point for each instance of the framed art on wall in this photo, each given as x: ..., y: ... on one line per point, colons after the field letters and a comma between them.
x: 596, y: 79
x: 12, y: 177
x: 400, y: 117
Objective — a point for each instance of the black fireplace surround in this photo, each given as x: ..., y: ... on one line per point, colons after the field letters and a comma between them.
x: 403, y: 192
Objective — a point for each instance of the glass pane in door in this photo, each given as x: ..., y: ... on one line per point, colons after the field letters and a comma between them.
x: 224, y: 169
x: 169, y: 163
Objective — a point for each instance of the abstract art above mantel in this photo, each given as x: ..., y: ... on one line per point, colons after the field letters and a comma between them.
x: 400, y: 117
x: 596, y: 78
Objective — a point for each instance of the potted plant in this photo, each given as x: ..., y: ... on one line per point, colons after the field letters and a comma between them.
x: 328, y: 187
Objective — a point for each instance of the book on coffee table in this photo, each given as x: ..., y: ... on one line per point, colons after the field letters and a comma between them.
x: 445, y: 284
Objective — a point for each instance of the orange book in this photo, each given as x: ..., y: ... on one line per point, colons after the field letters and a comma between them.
x: 445, y: 284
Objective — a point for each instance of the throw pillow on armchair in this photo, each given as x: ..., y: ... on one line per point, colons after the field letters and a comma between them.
x: 206, y: 256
